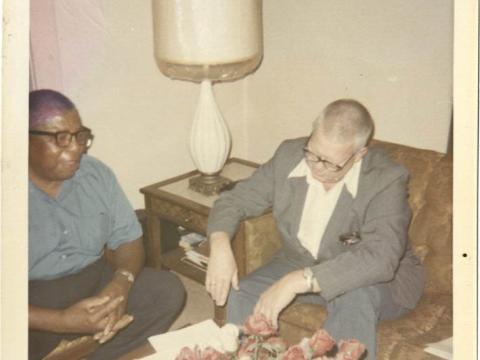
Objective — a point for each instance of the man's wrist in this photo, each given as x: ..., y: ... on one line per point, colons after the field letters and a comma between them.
x: 219, y: 241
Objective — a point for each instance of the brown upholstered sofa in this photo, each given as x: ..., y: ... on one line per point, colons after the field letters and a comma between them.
x: 430, y: 233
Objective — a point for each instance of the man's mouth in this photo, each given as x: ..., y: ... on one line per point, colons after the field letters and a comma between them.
x: 71, y: 162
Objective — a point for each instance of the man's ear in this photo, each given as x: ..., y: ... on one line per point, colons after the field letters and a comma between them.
x: 361, y: 153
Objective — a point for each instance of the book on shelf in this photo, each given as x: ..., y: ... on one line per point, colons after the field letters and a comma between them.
x: 194, y: 263
x: 190, y: 240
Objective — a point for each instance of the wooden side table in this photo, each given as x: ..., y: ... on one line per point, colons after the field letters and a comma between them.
x: 172, y: 202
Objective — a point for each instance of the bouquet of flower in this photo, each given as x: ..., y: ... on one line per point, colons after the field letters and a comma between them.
x: 258, y: 340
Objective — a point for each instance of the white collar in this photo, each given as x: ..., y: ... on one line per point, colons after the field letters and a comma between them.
x: 350, y: 179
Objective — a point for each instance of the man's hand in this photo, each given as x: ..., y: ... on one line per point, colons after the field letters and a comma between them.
x: 89, y: 315
x: 222, y: 268
x: 279, y: 295
x: 118, y: 319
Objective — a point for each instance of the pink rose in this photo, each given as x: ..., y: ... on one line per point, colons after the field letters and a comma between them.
x: 294, y: 353
x: 258, y: 325
x: 188, y: 354
x: 248, y: 347
x: 210, y: 353
x: 321, y: 342
x: 350, y: 350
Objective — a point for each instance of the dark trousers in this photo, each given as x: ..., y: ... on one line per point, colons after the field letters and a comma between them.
x: 155, y: 300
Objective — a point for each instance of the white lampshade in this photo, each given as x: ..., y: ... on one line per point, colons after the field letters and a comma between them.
x: 207, y: 39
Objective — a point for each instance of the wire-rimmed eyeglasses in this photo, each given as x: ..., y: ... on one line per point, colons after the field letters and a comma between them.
x: 311, y: 157
x: 83, y: 137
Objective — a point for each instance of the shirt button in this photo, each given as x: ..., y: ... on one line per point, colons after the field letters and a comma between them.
x: 65, y: 232
x: 64, y: 257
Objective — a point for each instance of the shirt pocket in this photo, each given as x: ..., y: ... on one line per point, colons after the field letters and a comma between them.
x: 94, y: 232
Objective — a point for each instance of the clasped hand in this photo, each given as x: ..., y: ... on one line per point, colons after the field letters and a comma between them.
x: 102, y: 315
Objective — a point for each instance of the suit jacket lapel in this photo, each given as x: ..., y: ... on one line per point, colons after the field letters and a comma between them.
x: 344, y: 215
x: 339, y: 220
x: 299, y: 188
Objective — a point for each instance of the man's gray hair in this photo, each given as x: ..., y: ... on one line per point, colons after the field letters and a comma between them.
x: 345, y: 120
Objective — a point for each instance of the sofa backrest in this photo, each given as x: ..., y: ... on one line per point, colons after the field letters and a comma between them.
x: 430, y: 198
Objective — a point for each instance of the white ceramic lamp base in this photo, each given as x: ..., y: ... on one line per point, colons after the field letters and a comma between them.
x: 209, y: 143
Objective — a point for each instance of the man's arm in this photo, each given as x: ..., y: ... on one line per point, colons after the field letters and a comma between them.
x: 248, y: 198
x: 222, y: 268
x: 127, y: 258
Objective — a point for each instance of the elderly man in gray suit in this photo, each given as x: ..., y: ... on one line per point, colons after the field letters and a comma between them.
x: 343, y: 216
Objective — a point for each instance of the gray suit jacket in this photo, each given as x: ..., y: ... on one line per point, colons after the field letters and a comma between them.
x: 379, y: 213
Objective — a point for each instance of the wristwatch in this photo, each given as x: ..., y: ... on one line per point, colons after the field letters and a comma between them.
x: 127, y: 274
x: 308, y: 276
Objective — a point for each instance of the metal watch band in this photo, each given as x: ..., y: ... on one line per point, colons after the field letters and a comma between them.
x: 308, y: 276
x: 127, y: 274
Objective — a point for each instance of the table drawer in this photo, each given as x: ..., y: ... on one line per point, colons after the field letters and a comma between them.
x: 184, y: 217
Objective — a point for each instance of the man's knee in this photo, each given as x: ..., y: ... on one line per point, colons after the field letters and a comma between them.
x: 160, y: 288
x: 175, y: 289
x: 366, y: 298
x: 234, y: 298
x: 240, y: 305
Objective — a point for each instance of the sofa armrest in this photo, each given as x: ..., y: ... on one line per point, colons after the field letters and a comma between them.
x: 262, y: 241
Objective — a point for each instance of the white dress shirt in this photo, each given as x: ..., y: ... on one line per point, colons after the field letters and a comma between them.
x: 319, y: 204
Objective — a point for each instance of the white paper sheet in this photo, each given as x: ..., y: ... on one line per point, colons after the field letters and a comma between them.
x: 203, y: 334
x: 443, y: 349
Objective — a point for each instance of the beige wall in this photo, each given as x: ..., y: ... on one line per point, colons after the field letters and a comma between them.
x: 394, y: 56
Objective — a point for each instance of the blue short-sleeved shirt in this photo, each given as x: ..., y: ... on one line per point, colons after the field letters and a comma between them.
x: 67, y: 233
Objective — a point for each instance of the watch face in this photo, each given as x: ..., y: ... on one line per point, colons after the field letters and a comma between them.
x: 127, y: 274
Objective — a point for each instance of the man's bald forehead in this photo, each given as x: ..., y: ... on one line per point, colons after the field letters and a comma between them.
x: 44, y: 105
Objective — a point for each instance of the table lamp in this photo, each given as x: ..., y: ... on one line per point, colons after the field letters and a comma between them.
x: 207, y: 41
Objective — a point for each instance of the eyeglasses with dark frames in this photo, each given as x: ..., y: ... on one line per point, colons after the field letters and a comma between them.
x: 311, y: 157
x: 84, y: 136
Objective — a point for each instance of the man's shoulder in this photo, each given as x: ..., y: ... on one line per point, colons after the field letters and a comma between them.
x: 377, y: 163
x: 291, y: 149
x: 289, y: 153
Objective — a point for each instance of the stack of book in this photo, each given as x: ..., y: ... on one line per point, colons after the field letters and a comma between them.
x: 196, y: 250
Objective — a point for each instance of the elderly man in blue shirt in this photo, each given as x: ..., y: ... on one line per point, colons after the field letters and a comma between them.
x: 77, y: 210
